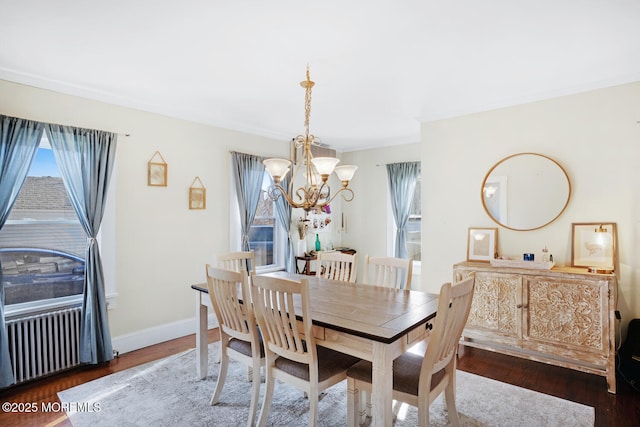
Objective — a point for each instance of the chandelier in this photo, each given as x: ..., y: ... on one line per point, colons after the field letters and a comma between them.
x: 315, y: 192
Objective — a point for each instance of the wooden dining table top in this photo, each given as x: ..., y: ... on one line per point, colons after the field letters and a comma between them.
x: 372, y: 312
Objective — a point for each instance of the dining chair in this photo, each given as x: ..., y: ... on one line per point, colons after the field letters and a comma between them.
x: 290, y: 347
x: 418, y: 380
x: 388, y: 271
x: 239, y: 337
x: 337, y: 266
x: 237, y: 261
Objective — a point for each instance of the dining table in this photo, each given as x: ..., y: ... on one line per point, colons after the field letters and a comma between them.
x: 370, y: 322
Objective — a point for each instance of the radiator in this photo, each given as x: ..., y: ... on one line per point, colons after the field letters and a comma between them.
x: 44, y: 344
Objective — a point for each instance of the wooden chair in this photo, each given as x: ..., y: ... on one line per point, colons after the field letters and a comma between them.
x: 418, y: 380
x: 239, y: 338
x: 237, y: 261
x: 388, y: 271
x: 292, y: 355
x: 337, y: 266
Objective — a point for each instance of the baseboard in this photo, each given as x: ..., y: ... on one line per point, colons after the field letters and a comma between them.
x: 157, y: 334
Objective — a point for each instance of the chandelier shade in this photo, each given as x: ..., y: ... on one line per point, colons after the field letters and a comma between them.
x: 277, y: 168
x: 315, y: 191
x: 325, y: 165
x: 345, y: 172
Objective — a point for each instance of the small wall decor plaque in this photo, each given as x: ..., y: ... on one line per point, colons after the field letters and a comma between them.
x: 157, y: 171
x: 197, y: 195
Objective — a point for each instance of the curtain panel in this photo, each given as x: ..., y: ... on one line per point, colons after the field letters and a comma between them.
x: 248, y: 172
x: 85, y: 158
x: 402, y: 178
x: 283, y: 212
x: 19, y: 140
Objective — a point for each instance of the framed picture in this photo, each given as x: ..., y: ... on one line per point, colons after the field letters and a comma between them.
x: 594, y: 245
x: 157, y: 171
x: 482, y: 244
x: 197, y: 195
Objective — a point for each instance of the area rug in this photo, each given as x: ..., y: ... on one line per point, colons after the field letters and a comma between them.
x: 167, y: 393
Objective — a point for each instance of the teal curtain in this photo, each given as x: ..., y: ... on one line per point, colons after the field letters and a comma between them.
x: 85, y: 158
x: 402, y: 179
x: 248, y: 172
x: 283, y: 212
x: 19, y: 140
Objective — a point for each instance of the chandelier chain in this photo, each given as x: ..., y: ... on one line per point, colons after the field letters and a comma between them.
x: 308, y: 84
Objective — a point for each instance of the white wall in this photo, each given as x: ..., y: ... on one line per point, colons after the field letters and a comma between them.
x: 154, y: 246
x: 594, y: 135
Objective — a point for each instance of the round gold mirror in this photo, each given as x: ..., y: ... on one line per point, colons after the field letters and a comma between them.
x: 525, y: 191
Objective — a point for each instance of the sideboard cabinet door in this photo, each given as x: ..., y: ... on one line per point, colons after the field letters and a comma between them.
x: 494, y: 311
x: 567, y: 317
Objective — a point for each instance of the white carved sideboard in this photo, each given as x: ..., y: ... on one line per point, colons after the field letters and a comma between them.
x: 564, y: 316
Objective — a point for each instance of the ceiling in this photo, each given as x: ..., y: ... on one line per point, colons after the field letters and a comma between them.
x: 380, y: 66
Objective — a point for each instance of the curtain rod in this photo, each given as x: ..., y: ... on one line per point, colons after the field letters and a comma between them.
x: 391, y: 163
x: 251, y: 154
x: 125, y: 134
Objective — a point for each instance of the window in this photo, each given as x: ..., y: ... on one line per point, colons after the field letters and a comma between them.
x: 42, y: 243
x: 267, y: 237
x: 414, y: 226
x: 263, y: 228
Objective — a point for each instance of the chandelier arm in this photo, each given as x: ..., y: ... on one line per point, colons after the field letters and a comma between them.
x: 344, y: 196
x: 276, y: 190
x: 309, y: 197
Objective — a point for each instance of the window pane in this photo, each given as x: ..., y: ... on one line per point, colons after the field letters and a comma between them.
x: 414, y: 227
x: 33, y: 274
x: 263, y: 228
x: 42, y: 244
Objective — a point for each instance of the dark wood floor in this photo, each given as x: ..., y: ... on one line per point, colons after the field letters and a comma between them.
x: 621, y: 409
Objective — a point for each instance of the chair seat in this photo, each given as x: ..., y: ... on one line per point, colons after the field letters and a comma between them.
x: 406, y: 373
x: 330, y: 363
x: 244, y: 347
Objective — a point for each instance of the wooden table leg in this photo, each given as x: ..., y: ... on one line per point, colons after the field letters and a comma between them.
x: 202, y: 342
x: 382, y: 385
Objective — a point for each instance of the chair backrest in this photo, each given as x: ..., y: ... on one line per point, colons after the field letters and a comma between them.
x: 454, y: 304
x: 388, y: 271
x: 237, y: 261
x: 284, y: 315
x: 337, y: 266
x: 228, y: 291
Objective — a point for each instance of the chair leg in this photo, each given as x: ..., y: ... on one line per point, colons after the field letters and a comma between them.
x: 266, y: 400
x: 216, y: 358
x: 353, y: 403
x: 450, y: 401
x: 255, y: 392
x: 423, y: 414
x: 222, y: 375
x: 313, y: 405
